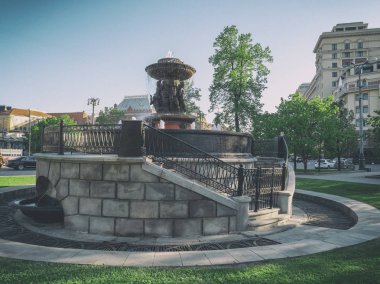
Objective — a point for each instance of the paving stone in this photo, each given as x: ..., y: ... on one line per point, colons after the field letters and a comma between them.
x: 79, y: 187
x: 243, y: 255
x: 115, y: 208
x: 144, y: 259
x: 159, y: 191
x: 70, y: 205
x: 102, y: 225
x: 167, y: 259
x: 144, y: 209
x: 105, y: 189
x: 219, y: 257
x: 174, y: 209
x: 130, y: 190
x: 129, y: 227
x: 62, y: 189
x: 182, y: 193
x: 91, y: 171
x: 115, y: 172
x: 202, y: 208
x: 138, y: 174
x: 70, y: 170
x: 90, y: 206
x: 215, y: 226
x: 194, y: 258
x: 187, y: 227
x: 158, y: 228
x: 77, y: 223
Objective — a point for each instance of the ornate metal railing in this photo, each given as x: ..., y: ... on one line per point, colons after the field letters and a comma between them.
x: 89, y: 139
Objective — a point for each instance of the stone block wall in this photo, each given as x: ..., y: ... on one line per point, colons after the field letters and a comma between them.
x: 118, y: 197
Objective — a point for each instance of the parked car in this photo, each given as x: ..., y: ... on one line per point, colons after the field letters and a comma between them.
x: 2, y: 162
x: 325, y: 164
x: 23, y: 162
x: 345, y: 163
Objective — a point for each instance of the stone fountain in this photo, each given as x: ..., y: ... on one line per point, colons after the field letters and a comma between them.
x: 168, y: 99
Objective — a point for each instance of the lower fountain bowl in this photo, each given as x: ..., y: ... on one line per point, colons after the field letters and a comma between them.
x: 44, y: 214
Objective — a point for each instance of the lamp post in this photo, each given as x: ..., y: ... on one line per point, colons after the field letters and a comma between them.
x: 94, y: 102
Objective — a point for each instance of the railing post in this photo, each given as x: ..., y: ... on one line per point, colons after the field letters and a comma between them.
x: 61, y: 144
x: 132, y: 139
x: 257, y: 191
x: 42, y: 138
x: 271, y: 190
x: 240, y: 181
x: 283, y: 177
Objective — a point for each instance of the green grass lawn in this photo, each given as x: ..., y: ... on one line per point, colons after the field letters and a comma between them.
x: 355, y: 264
x: 17, y: 180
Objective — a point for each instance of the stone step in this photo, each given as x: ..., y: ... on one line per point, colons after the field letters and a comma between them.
x: 262, y: 225
x: 263, y: 214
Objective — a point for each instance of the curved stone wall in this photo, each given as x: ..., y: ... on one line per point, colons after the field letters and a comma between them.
x: 116, y: 196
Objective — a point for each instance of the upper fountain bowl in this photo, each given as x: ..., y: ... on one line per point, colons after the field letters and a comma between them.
x: 170, y: 69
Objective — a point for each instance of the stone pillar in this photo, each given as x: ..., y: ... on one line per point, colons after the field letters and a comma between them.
x: 131, y: 139
x: 242, y: 212
x: 285, y: 202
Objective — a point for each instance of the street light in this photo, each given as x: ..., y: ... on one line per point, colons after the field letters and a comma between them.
x: 360, y: 67
x: 94, y: 102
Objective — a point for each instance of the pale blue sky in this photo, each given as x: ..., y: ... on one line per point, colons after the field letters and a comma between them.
x: 55, y: 54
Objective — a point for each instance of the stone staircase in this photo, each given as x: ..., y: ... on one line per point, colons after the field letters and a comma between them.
x: 266, y: 219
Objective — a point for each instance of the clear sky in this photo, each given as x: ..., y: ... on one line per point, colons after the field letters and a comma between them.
x: 55, y: 54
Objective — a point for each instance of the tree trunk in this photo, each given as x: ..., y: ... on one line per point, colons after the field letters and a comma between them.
x: 237, y: 124
x: 295, y: 161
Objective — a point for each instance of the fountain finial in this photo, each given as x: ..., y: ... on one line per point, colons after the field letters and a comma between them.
x: 170, y: 54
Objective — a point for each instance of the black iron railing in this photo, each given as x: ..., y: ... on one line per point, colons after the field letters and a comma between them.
x: 90, y: 139
x: 261, y: 183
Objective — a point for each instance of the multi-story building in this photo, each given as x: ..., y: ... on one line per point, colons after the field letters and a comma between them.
x: 302, y: 89
x: 343, y: 53
x: 136, y: 107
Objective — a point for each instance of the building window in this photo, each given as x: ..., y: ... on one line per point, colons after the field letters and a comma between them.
x: 333, y: 83
x: 346, y: 54
x: 347, y: 45
x: 334, y: 55
x: 364, y: 96
x: 339, y: 29
x: 334, y: 74
x: 357, y: 109
x: 367, y: 68
x: 346, y: 62
x: 365, y: 109
x: 378, y: 66
x: 334, y: 46
x: 334, y: 65
x: 359, y: 53
x: 360, y: 44
x: 357, y: 122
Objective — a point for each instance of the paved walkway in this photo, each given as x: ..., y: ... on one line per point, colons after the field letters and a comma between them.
x: 355, y: 176
x: 302, y: 240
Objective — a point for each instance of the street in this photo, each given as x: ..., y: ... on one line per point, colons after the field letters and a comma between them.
x: 5, y: 171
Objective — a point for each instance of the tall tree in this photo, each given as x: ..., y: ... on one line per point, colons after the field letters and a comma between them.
x: 110, y: 115
x: 240, y: 76
x: 192, y: 97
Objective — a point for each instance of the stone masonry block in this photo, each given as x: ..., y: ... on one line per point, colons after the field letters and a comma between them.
x: 115, y: 172
x: 70, y: 205
x: 129, y: 227
x: 159, y: 191
x: 158, y: 228
x: 91, y: 171
x: 79, y: 187
x: 77, y: 223
x: 69, y: 170
x: 222, y: 210
x: 232, y: 224
x: 130, y: 190
x: 54, y: 172
x: 202, y: 208
x: 62, y: 189
x: 115, y: 208
x: 103, y: 189
x: 187, y: 227
x: 90, y: 206
x: 144, y: 209
x: 138, y: 174
x: 214, y: 226
x: 102, y: 225
x: 42, y: 168
x: 185, y: 194
x: 174, y: 209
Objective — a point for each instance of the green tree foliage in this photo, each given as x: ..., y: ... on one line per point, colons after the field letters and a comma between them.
x: 192, y: 97
x: 110, y: 115
x: 38, y: 127
x: 240, y: 76
x: 374, y: 121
